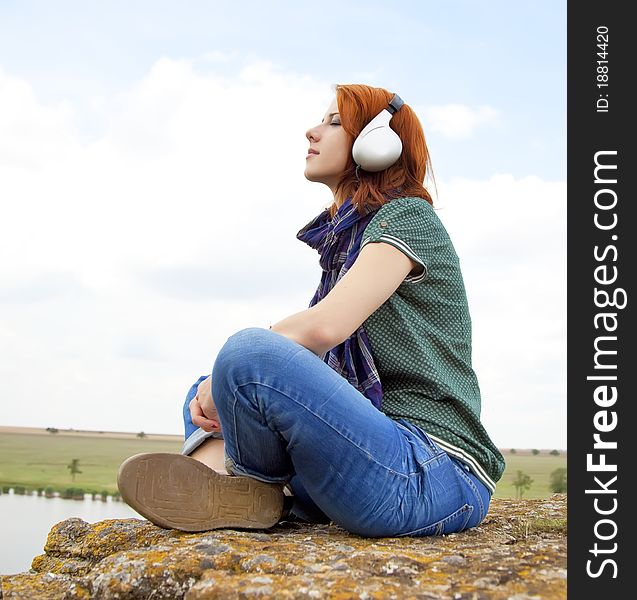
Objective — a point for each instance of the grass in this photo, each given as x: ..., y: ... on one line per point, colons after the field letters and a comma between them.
x: 40, y: 461
x: 526, y: 527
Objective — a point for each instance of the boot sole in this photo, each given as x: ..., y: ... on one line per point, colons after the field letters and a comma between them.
x: 178, y: 492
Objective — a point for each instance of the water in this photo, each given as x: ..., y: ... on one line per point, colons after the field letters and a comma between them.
x: 25, y: 521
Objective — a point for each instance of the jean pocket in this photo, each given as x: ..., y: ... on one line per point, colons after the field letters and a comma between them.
x: 478, y: 502
x: 453, y: 523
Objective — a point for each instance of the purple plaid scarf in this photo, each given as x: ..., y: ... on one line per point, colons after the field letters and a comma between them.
x: 338, y: 243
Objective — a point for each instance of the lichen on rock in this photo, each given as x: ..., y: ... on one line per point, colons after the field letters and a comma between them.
x: 518, y: 551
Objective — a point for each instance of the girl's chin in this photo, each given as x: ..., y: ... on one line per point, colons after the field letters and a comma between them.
x: 310, y: 176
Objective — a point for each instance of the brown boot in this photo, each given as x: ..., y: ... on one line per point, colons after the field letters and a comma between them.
x: 178, y: 492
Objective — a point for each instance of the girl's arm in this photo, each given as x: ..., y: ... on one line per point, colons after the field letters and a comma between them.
x: 376, y: 273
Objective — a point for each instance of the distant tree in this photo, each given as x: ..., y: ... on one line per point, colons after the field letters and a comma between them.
x: 513, y: 450
x: 74, y: 467
x: 558, y: 480
x: 52, y: 429
x: 521, y: 483
x: 535, y: 451
x: 554, y: 452
x: 141, y: 435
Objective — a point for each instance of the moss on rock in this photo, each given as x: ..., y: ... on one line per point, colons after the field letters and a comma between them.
x: 518, y: 551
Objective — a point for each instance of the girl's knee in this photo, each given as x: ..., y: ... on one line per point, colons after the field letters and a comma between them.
x: 242, y: 353
x: 248, y: 346
x: 250, y: 333
x: 236, y: 344
x: 244, y: 341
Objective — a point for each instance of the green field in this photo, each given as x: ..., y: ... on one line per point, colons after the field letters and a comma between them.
x: 40, y: 461
x: 538, y: 467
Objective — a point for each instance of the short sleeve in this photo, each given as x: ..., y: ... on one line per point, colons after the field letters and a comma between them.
x: 410, y: 225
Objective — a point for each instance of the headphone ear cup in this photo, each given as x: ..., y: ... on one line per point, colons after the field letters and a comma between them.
x: 377, y: 149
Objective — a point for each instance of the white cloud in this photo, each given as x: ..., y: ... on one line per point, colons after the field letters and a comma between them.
x: 510, y: 236
x: 128, y: 260
x: 457, y: 121
x: 32, y: 134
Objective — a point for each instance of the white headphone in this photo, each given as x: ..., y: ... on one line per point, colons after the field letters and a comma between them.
x: 378, y: 145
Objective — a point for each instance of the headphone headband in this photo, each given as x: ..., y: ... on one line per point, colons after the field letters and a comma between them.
x: 395, y: 103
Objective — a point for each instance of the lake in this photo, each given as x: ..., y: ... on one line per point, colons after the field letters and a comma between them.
x: 25, y: 521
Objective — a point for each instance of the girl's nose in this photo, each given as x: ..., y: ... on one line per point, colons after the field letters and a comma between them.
x: 311, y: 134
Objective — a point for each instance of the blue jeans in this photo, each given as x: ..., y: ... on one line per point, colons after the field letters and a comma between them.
x: 286, y: 416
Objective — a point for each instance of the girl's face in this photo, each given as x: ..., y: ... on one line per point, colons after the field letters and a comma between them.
x: 328, y: 151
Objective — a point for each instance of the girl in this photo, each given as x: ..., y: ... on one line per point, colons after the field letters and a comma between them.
x: 363, y: 409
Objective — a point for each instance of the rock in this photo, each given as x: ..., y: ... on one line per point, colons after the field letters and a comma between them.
x: 518, y: 551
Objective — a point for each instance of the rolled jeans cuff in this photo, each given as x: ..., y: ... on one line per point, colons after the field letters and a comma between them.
x: 197, y: 437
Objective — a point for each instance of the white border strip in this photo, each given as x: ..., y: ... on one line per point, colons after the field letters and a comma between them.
x: 403, y: 247
x: 462, y: 454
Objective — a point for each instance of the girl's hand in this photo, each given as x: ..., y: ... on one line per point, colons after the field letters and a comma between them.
x: 203, y: 411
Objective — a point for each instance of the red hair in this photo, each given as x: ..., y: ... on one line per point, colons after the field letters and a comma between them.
x: 357, y: 106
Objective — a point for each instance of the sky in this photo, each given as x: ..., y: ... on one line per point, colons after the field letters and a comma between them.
x: 151, y: 189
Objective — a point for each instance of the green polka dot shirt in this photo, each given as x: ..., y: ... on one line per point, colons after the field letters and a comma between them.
x: 421, y: 339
